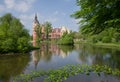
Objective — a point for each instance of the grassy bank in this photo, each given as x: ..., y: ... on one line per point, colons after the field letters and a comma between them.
x: 100, y: 44
x: 115, y: 45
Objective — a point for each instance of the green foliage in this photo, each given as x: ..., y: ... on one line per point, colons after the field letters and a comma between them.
x: 23, y: 44
x: 100, y: 18
x: 48, y: 29
x: 13, y: 36
x: 106, y: 39
x: 7, y: 45
x: 78, y: 35
x: 106, y: 36
x: 61, y: 74
x: 39, y: 33
x: 66, y: 39
x: 64, y: 34
x: 94, y: 39
x: 117, y: 36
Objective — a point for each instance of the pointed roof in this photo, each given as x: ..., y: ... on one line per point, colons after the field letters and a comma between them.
x: 35, y: 19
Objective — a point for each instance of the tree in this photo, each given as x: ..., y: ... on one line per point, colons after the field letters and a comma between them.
x: 39, y: 32
x: 98, y: 15
x: 48, y: 29
x: 13, y: 36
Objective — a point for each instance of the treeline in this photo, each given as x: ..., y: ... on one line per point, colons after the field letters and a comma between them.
x: 13, y: 36
x: 99, y: 20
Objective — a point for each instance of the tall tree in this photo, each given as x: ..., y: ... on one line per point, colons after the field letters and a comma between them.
x: 13, y: 36
x: 39, y: 32
x: 48, y: 29
x: 98, y: 15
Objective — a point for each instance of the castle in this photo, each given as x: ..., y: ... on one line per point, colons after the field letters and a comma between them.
x: 56, y: 33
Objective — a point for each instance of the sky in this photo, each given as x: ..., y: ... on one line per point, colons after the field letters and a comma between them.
x: 57, y: 12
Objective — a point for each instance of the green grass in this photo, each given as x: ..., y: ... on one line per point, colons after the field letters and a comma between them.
x: 100, y: 44
x: 108, y: 44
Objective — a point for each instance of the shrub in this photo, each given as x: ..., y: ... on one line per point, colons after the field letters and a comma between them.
x: 117, y: 36
x: 106, y: 39
x: 66, y: 40
x: 94, y: 39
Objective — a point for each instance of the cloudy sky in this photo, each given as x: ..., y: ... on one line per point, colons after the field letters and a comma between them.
x: 55, y: 11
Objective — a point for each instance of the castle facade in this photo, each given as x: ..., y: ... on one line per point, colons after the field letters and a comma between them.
x: 56, y: 33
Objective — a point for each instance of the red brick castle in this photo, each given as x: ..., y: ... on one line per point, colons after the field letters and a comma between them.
x: 55, y: 34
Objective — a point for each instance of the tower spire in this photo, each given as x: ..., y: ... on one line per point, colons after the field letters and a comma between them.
x: 35, y: 16
x: 36, y: 20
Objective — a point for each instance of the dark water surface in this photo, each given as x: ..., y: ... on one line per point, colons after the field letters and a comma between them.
x: 54, y: 56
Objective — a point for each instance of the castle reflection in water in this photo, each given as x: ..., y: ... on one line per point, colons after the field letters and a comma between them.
x: 46, y: 52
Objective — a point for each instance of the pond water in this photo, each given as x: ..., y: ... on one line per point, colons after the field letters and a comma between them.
x: 53, y: 56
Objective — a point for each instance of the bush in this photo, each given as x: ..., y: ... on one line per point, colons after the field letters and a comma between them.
x: 106, y: 39
x: 66, y: 40
x: 94, y: 39
x: 117, y: 37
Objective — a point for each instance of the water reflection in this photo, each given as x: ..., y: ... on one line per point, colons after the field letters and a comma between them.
x: 58, y: 56
x: 98, y: 55
x: 51, y: 56
x: 77, y: 54
x: 46, y: 52
x: 12, y: 65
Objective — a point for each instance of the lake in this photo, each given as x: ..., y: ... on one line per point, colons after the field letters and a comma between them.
x: 54, y: 56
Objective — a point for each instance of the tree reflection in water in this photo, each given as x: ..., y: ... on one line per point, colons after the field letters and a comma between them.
x: 89, y: 54
x: 54, y: 56
x: 12, y: 65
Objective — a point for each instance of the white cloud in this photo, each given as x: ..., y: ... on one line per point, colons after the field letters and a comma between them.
x: 22, y: 6
x: 9, y: 3
x: 19, y: 5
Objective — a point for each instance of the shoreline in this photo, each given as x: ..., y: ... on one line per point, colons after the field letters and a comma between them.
x: 12, y: 52
x: 104, y: 45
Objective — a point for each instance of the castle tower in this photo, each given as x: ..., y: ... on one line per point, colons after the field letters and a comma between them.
x: 35, y: 24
